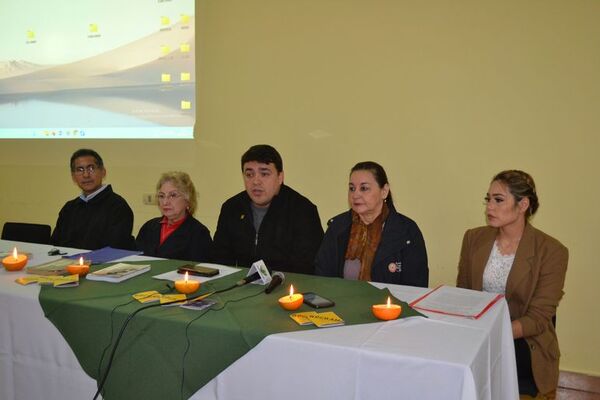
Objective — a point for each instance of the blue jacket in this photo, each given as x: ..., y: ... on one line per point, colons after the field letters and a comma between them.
x: 401, y: 257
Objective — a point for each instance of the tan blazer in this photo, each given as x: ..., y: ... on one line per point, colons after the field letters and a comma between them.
x: 533, y: 290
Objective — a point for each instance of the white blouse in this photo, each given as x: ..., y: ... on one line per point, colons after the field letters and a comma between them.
x: 496, y: 271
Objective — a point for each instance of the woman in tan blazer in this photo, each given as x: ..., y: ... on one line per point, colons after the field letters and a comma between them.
x: 512, y: 257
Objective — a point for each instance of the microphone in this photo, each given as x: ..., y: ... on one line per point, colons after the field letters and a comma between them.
x: 276, y: 280
x: 250, y: 278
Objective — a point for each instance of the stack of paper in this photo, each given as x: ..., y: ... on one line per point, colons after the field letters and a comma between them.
x: 456, y: 301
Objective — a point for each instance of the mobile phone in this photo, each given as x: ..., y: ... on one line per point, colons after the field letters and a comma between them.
x: 199, y: 270
x: 316, y: 301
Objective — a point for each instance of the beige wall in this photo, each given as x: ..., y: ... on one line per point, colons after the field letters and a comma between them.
x: 443, y: 93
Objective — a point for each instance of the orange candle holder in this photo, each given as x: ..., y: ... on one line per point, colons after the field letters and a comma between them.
x: 80, y: 269
x: 386, y: 312
x: 14, y: 262
x: 186, y: 286
x: 291, y: 302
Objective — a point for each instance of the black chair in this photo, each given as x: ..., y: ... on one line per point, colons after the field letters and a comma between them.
x: 24, y: 232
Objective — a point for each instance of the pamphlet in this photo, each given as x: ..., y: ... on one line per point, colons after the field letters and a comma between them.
x: 326, y: 319
x: 301, y: 318
x: 26, y: 280
x: 172, y: 299
x: 199, y: 304
x: 147, y: 296
x: 56, y: 281
x: 321, y: 320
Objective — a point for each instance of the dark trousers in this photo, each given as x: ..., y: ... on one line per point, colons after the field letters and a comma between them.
x: 524, y: 372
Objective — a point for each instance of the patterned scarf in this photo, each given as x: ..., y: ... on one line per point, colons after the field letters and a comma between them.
x: 364, y: 240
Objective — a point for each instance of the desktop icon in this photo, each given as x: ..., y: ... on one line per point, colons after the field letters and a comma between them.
x: 164, y: 50
x: 184, y: 47
x: 185, y: 19
x: 93, y: 28
x: 184, y: 76
x: 30, y: 35
x: 165, y: 21
x: 186, y: 105
x: 165, y: 77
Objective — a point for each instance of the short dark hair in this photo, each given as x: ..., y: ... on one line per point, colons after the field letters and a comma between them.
x: 520, y: 184
x: 378, y: 173
x: 263, y: 153
x: 85, y: 153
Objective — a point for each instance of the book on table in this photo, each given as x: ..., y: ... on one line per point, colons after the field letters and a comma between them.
x: 55, y: 267
x: 118, y: 273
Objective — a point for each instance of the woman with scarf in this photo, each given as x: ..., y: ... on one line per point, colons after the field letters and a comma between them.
x: 372, y: 241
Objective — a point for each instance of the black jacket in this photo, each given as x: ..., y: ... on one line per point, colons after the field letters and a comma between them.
x: 105, y: 220
x: 191, y: 241
x: 288, y: 238
x: 401, y: 245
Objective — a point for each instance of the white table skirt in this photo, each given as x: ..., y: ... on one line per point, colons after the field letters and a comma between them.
x: 442, y: 357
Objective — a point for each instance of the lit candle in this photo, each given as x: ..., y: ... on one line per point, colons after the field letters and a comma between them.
x: 14, y: 262
x: 291, y: 302
x: 387, y: 311
x: 186, y: 286
x: 79, y: 269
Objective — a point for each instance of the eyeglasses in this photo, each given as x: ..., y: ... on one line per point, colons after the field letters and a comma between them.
x: 162, y: 197
x: 91, y: 169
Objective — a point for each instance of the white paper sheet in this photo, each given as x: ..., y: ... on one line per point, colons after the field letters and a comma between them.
x: 456, y: 301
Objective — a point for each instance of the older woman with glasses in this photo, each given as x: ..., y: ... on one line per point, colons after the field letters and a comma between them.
x: 177, y: 234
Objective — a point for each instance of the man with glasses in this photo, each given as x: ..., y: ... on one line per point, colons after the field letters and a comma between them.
x: 269, y: 220
x: 98, y: 217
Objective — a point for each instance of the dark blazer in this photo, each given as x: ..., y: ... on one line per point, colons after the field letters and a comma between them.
x: 533, y: 291
x: 191, y: 241
x: 105, y: 220
x: 288, y: 238
x: 401, y: 244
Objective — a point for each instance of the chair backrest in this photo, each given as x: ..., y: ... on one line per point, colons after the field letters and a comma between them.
x: 24, y: 232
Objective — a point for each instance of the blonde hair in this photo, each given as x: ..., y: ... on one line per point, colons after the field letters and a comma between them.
x: 184, y: 184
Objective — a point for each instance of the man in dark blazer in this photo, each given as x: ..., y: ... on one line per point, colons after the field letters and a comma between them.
x: 269, y: 220
x: 98, y: 217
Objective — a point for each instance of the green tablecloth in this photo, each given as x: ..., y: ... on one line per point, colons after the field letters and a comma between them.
x: 171, y: 352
